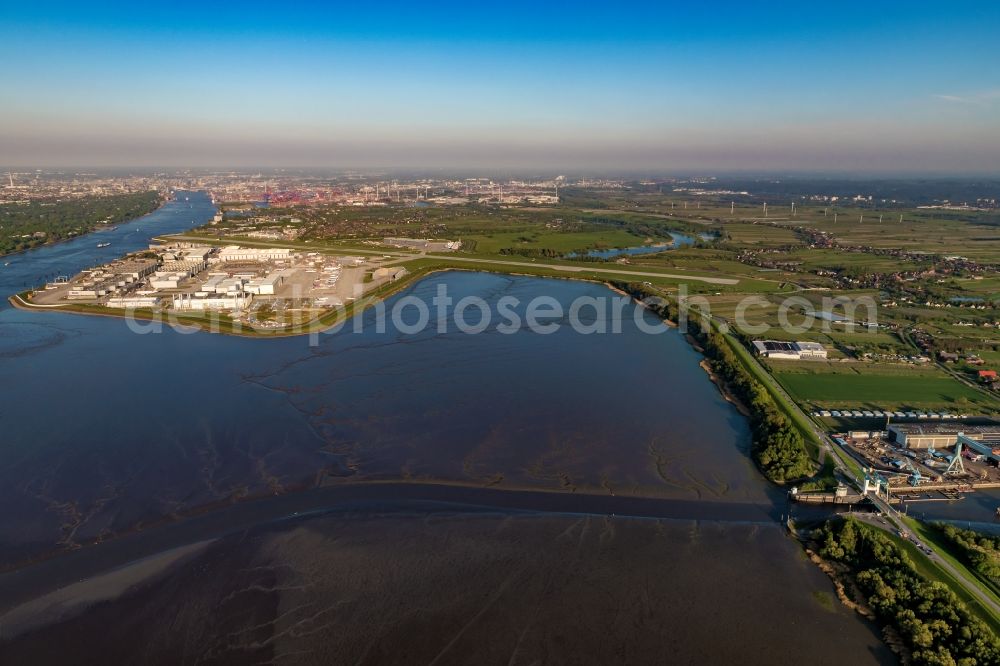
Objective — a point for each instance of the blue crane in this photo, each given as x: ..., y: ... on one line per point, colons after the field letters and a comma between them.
x: 915, y: 477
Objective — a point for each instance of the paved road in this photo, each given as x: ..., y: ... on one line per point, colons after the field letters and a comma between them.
x: 585, y: 269
x: 291, y: 245
x: 396, y: 255
x: 985, y: 599
x: 821, y: 436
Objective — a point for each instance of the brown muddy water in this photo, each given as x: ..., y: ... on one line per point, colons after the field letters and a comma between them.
x: 384, y: 497
x: 417, y: 584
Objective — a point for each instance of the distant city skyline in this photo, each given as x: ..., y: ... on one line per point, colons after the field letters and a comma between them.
x: 850, y: 87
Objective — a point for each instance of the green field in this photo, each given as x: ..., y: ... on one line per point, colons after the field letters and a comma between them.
x: 769, y: 259
x: 761, y: 234
x: 493, y: 243
x: 892, y: 391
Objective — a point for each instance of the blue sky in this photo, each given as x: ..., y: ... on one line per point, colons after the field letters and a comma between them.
x: 837, y: 86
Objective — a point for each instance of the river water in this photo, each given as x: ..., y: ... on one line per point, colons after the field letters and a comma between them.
x: 381, y: 496
x: 679, y: 240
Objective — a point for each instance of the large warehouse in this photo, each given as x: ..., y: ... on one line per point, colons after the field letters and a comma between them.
x: 988, y: 447
x: 237, y: 253
x: 939, y: 435
x: 792, y: 351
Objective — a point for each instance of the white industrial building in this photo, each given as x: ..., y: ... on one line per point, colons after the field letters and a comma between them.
x: 212, y: 283
x: 190, y: 267
x: 264, y: 285
x: 92, y: 289
x: 393, y: 273
x: 939, y: 435
x: 792, y: 351
x: 223, y: 284
x: 133, y: 302
x: 810, y: 350
x: 136, y: 270
x: 237, y: 253
x: 166, y: 280
x: 236, y: 301
x: 198, y: 253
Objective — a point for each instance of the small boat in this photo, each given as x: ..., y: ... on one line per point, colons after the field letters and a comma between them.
x: 103, y: 244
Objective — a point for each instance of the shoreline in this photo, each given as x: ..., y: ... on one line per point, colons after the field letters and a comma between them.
x: 258, y: 507
x: 723, y: 388
x: 17, y: 301
x: 314, y: 326
x: 163, y: 202
x: 305, y: 486
x: 845, y: 587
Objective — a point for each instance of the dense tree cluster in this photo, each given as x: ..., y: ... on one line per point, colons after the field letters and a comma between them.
x: 27, y: 225
x: 579, y: 197
x: 980, y: 551
x: 936, y: 626
x: 642, y: 228
x: 778, y: 447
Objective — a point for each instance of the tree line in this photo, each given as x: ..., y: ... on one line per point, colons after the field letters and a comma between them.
x: 980, y: 551
x: 934, y: 624
x: 27, y: 225
x: 777, y: 446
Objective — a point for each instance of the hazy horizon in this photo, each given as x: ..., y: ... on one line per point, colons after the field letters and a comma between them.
x: 854, y: 88
x: 514, y: 171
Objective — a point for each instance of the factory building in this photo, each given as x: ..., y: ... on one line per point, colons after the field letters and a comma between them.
x: 166, y: 280
x: 223, y: 284
x: 791, y: 351
x: 939, y: 435
x: 189, y: 267
x: 423, y: 244
x: 236, y: 301
x: 134, y: 270
x: 93, y: 289
x: 133, y: 302
x: 393, y: 273
x: 197, y: 253
x: 988, y: 447
x: 416, y: 243
x: 264, y: 285
x: 268, y: 284
x: 236, y: 253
